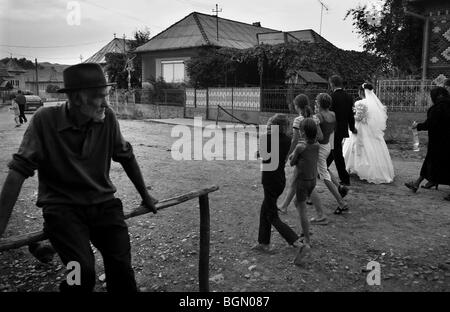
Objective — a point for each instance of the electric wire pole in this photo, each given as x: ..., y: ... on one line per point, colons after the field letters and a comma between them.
x: 217, y: 19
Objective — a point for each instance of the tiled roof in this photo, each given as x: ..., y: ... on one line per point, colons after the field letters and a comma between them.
x: 311, y: 77
x: 309, y: 35
x: 116, y: 45
x: 199, y: 29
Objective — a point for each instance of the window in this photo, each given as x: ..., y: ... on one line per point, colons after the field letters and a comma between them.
x: 172, y: 71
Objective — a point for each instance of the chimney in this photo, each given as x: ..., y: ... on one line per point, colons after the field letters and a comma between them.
x: 257, y: 24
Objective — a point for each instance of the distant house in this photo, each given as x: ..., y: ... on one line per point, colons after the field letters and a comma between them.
x: 12, y: 73
x: 307, y: 78
x: 5, y: 77
x: 116, y: 45
x: 48, y: 74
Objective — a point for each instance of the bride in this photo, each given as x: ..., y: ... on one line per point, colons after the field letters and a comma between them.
x: 366, y: 153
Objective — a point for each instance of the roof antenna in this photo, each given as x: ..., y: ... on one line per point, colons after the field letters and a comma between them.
x: 321, y: 14
x: 217, y: 19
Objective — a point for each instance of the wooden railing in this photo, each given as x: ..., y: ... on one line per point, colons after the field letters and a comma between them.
x: 203, y: 268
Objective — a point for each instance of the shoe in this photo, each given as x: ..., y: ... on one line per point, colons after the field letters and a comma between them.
x: 263, y: 248
x: 320, y: 221
x: 343, y: 190
x: 303, y: 251
x: 411, y: 186
x: 430, y: 185
x: 41, y: 251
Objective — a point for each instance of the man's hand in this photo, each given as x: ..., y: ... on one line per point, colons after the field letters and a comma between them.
x: 149, y: 202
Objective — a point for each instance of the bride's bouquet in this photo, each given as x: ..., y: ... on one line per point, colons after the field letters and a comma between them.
x: 360, y: 110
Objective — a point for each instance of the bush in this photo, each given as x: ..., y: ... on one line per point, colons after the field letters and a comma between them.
x: 52, y: 88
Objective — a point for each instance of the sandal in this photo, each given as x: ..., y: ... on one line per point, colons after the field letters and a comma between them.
x: 411, y: 186
x: 340, y: 210
x: 320, y: 221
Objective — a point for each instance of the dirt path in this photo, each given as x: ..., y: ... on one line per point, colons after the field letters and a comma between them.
x: 408, y: 234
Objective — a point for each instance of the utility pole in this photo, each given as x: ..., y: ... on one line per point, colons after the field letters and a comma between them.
x: 217, y: 19
x: 37, y: 77
x: 321, y: 15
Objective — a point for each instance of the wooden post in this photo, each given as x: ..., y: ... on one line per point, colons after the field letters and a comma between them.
x: 37, y: 77
x: 203, y: 265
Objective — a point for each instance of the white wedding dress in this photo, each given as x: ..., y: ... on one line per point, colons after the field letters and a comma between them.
x: 366, y: 153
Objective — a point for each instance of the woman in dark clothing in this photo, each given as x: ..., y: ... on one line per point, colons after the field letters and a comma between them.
x: 436, y: 166
x: 273, y: 184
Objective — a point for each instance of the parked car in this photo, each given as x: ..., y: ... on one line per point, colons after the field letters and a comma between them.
x: 33, y: 103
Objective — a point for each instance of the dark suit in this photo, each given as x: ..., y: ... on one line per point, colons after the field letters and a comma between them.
x: 342, y: 106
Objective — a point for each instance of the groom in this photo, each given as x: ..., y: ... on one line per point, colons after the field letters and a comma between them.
x: 342, y: 106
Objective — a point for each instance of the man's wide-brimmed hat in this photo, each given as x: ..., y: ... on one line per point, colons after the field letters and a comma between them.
x: 84, y: 76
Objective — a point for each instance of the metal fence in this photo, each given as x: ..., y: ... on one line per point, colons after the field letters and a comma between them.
x: 281, y: 100
x: 170, y: 97
x: 405, y: 95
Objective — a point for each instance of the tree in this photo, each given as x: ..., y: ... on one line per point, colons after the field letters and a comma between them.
x: 140, y: 37
x: 23, y: 62
x: 397, y: 36
x: 274, y: 64
x: 115, y: 68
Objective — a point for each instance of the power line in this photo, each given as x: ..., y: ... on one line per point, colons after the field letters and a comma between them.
x: 51, y: 47
x: 121, y: 13
x: 42, y: 57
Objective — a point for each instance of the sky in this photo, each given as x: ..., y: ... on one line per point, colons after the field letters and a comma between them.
x: 49, y: 30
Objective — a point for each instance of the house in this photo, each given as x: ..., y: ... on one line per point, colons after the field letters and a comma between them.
x: 48, y: 74
x: 5, y: 77
x: 14, y: 75
x: 307, y: 78
x: 116, y: 45
x: 438, y: 48
x: 278, y: 37
x: 165, y: 54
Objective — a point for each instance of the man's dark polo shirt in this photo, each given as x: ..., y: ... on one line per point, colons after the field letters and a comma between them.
x: 73, y: 164
x: 20, y: 99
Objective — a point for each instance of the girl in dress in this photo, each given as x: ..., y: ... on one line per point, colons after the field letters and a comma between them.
x: 366, y: 153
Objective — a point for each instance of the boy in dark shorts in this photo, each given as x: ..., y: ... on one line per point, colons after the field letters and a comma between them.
x: 305, y: 157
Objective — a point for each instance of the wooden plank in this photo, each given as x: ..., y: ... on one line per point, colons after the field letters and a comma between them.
x: 26, y: 239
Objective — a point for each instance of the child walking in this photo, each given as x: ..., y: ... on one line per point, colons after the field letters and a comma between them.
x: 305, y: 157
x: 15, y: 111
x: 273, y: 184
